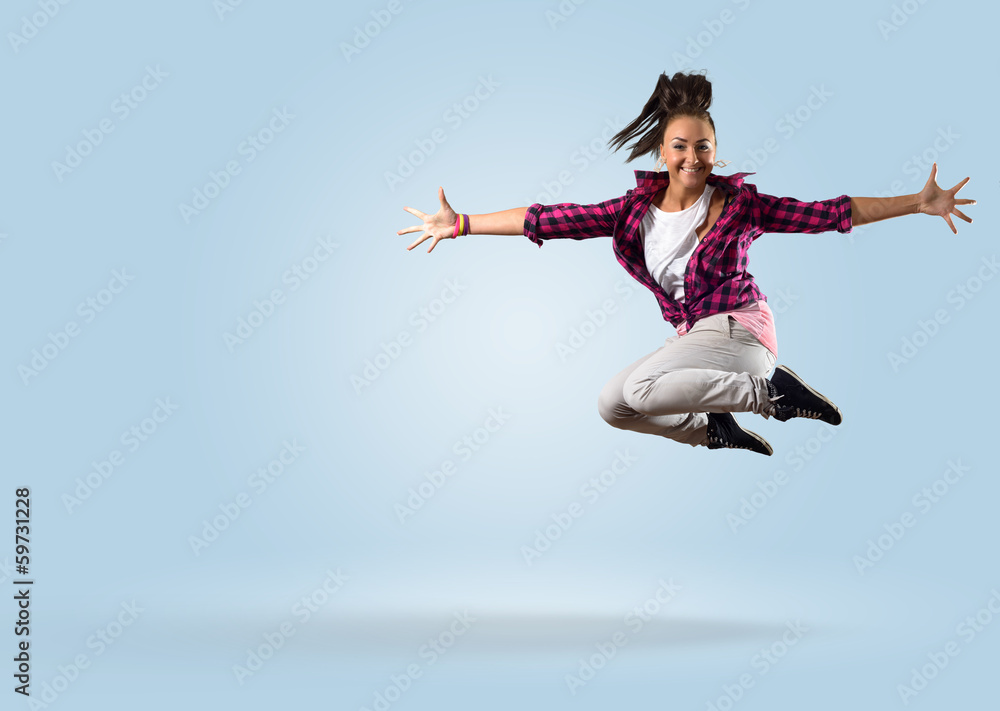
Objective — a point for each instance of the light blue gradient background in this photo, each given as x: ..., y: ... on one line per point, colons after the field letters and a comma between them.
x: 855, y: 297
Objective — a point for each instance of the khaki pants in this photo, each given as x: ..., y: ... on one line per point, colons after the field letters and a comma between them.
x: 717, y: 366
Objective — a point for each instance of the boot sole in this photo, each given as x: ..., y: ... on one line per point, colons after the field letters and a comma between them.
x: 839, y: 416
x: 763, y: 441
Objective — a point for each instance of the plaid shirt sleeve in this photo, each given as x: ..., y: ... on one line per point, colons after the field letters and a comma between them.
x: 570, y: 220
x: 785, y: 214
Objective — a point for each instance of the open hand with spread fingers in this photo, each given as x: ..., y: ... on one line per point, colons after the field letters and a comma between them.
x: 440, y: 225
x: 935, y: 201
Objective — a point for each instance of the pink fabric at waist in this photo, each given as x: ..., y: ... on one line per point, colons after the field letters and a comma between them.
x: 756, y: 318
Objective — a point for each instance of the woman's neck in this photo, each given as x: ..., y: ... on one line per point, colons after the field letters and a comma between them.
x: 676, y: 197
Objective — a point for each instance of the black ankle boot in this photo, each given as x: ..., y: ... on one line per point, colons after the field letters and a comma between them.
x: 791, y: 397
x: 725, y: 432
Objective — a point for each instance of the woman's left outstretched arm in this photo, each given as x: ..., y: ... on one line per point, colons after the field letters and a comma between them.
x: 932, y: 200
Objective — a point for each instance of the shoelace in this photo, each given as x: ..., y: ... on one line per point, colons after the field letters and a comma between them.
x: 799, y: 412
x: 796, y: 411
x: 727, y: 444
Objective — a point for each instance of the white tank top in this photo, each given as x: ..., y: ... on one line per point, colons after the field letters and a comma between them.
x: 669, y: 239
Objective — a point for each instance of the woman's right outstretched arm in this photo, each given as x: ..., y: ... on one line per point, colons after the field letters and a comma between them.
x: 441, y: 225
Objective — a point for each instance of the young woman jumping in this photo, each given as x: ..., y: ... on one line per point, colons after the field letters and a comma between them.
x: 685, y: 234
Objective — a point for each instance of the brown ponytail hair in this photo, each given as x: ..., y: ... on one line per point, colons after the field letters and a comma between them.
x: 680, y: 95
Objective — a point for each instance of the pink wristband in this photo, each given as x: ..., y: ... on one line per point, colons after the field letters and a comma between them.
x: 461, y: 225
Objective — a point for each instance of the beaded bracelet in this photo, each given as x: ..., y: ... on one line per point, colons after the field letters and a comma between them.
x: 461, y: 225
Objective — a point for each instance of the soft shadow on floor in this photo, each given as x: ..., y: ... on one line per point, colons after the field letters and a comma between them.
x: 534, y: 632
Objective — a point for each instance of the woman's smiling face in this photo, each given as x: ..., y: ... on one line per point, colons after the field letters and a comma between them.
x: 688, y: 150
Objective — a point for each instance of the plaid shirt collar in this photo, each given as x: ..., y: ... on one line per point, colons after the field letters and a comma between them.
x: 650, y: 182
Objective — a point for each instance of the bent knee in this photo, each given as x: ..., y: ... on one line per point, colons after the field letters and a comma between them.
x: 613, y: 408
x: 606, y: 406
x: 633, y: 394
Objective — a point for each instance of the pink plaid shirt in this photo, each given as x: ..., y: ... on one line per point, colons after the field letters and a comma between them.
x: 716, y: 279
